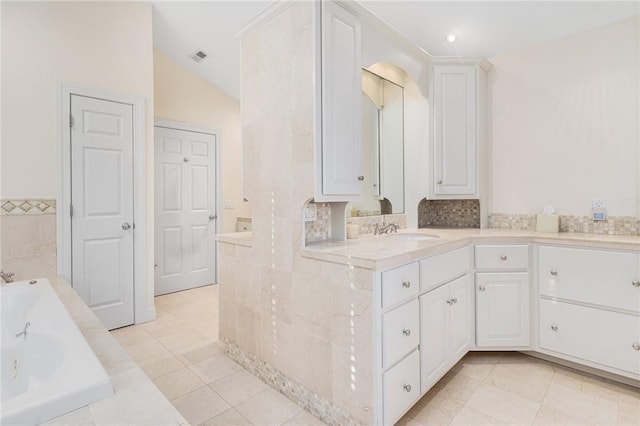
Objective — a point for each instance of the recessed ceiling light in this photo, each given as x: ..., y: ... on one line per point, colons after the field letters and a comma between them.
x: 451, y: 38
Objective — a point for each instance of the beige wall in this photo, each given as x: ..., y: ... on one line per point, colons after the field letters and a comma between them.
x: 565, y: 124
x: 181, y: 95
x: 98, y: 45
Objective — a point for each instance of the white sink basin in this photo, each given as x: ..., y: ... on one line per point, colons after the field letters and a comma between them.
x: 415, y: 236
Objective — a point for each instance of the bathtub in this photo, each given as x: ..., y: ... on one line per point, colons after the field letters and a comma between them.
x: 51, y: 370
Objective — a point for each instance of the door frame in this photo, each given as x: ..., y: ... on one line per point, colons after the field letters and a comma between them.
x: 141, y: 312
x: 188, y: 127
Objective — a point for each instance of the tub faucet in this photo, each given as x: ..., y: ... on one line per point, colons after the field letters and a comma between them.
x: 7, y: 276
x: 24, y: 330
x: 386, y: 228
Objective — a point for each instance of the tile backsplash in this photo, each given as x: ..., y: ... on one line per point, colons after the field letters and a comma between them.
x: 320, y: 229
x: 614, y: 225
x: 455, y: 213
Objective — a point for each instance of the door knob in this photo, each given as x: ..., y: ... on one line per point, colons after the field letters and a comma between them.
x: 481, y: 288
x: 554, y: 327
x: 360, y: 178
x: 439, y: 182
x: 213, y: 217
x: 636, y: 346
x: 636, y: 283
x: 126, y: 226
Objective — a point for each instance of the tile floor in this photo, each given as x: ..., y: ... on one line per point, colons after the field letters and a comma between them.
x: 179, y: 351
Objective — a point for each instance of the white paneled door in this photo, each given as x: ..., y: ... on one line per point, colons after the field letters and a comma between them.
x: 102, y: 207
x: 185, y: 209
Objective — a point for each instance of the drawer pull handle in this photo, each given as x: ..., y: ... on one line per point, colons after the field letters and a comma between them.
x: 406, y: 284
x: 407, y: 388
x: 636, y: 346
x: 503, y: 257
x: 481, y: 288
x: 406, y: 332
x: 554, y: 327
x: 636, y: 283
x: 554, y: 273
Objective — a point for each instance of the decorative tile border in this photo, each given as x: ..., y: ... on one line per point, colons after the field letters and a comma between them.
x: 16, y: 207
x: 614, y: 225
x: 313, y: 403
x: 460, y: 213
x: 320, y: 229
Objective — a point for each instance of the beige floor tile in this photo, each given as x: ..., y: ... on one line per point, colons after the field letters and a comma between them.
x: 579, y: 404
x: 178, y: 383
x: 304, y: 419
x: 408, y: 421
x: 214, y: 368
x: 160, y: 365
x: 200, y: 405
x: 146, y: 350
x: 628, y: 414
x: 131, y: 335
x: 502, y: 405
x: 175, y: 342
x: 194, y: 354
x: 238, y: 386
x: 530, y: 380
x: 436, y: 408
x: 268, y: 408
x: 551, y: 417
x: 231, y: 417
x: 476, y: 371
x: 457, y: 387
x: 470, y: 417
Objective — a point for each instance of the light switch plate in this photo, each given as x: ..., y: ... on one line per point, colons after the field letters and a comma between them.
x: 229, y: 204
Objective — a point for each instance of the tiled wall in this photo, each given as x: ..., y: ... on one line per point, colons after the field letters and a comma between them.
x: 614, y: 225
x: 458, y: 213
x: 28, y: 238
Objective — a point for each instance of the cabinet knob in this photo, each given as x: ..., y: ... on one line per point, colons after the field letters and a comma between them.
x: 503, y: 257
x: 454, y: 300
x: 406, y: 332
x: 636, y: 346
x: 406, y: 284
x: 186, y: 159
x: 360, y: 178
x: 439, y: 181
x: 407, y: 388
x: 636, y: 283
x: 126, y: 226
x: 449, y: 302
x: 554, y: 327
x: 554, y: 273
x: 481, y: 288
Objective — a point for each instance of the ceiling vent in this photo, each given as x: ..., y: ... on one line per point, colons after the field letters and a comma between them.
x: 198, y: 55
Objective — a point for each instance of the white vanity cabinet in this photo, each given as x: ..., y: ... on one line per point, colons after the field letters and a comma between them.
x: 338, y: 100
x: 445, y: 329
x: 589, y: 307
x: 502, y: 296
x: 457, y: 129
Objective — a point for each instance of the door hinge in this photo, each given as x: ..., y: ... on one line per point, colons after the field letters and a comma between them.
x: 71, y: 121
x: 71, y: 210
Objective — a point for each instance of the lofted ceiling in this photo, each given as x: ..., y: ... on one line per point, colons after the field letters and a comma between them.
x: 482, y: 28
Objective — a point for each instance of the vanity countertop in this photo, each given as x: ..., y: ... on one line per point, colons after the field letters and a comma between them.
x: 383, y: 252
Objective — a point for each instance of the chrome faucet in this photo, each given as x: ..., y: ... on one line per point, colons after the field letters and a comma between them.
x: 7, y: 276
x: 386, y: 228
x: 24, y: 330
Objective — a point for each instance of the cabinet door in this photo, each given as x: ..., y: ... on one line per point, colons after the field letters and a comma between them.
x: 434, y: 336
x: 502, y: 309
x: 460, y: 317
x: 341, y: 106
x: 455, y: 132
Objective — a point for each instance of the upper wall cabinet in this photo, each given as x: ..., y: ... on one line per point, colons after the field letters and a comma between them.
x: 457, y: 129
x: 338, y: 119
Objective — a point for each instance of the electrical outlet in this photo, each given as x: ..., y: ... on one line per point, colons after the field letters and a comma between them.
x: 599, y: 203
x: 229, y: 204
x: 310, y: 214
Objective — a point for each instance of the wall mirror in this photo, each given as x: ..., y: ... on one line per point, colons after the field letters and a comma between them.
x: 382, y: 147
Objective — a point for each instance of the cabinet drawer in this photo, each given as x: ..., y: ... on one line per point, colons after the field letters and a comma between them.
x: 443, y: 268
x: 502, y: 256
x: 401, y: 387
x: 400, y: 332
x: 600, y: 277
x: 399, y: 284
x: 596, y: 335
